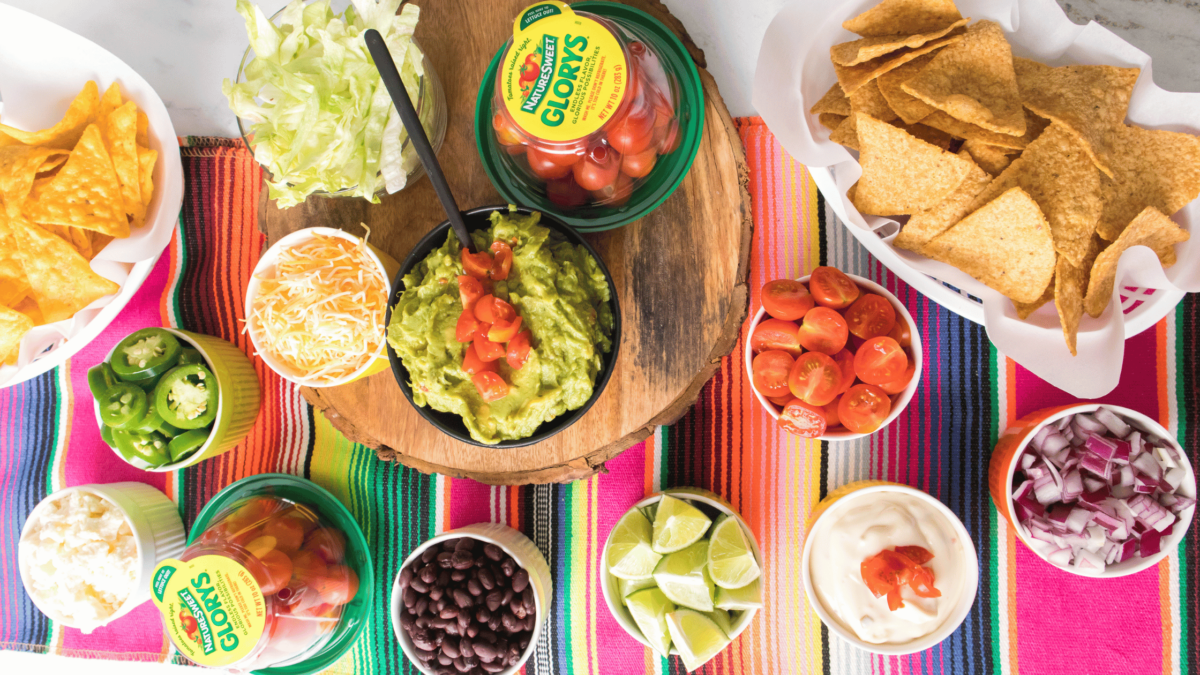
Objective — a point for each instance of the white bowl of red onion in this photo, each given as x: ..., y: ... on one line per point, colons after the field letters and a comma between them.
x: 1096, y: 490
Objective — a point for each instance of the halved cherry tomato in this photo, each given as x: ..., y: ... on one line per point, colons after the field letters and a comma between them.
x: 598, y: 169
x: 770, y: 372
x: 845, y: 361
x: 340, y: 585
x: 503, y: 331
x: 870, y: 316
x: 815, y: 378
x: 473, y: 364
x: 802, y: 419
x: 476, y: 264
x: 486, y: 350
x: 832, y: 288
x: 468, y: 326
x: 776, y: 334
x: 543, y: 167
x: 288, y: 533
x: 506, y: 131
x: 880, y: 360
x: 823, y: 330
x: 502, y: 260
x: 518, y: 350
x: 864, y: 408
x: 640, y: 164
x: 616, y: 194
x: 565, y: 192
x: 831, y: 412
x: 277, y: 573
x: 490, y: 386
x: 786, y: 299
x: 901, y: 332
x: 900, y: 384
x: 469, y: 290
x: 490, y: 309
x: 781, y: 400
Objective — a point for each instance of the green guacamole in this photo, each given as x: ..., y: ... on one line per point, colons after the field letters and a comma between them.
x: 563, y: 299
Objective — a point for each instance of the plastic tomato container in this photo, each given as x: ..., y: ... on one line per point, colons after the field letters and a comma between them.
x: 591, y: 112
x: 276, y: 579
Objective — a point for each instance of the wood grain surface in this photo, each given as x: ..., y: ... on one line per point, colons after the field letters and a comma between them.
x: 680, y: 273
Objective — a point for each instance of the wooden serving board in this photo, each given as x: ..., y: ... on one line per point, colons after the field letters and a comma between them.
x: 680, y: 273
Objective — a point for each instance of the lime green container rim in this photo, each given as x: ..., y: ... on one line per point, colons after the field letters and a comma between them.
x: 358, y: 554
x: 659, y: 184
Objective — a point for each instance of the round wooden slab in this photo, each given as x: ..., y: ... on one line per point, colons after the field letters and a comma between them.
x: 680, y: 272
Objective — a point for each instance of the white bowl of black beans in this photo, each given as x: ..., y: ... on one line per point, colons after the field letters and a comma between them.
x: 472, y: 601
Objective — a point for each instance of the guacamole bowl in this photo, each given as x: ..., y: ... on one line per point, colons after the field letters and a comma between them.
x: 451, y: 423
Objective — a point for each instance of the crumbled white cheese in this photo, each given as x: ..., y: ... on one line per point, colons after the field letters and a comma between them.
x: 82, y: 559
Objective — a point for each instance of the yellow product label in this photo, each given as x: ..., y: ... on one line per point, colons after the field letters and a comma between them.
x: 565, y: 74
x: 213, y: 607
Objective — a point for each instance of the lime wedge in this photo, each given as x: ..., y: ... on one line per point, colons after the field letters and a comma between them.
x: 677, y: 525
x: 722, y: 619
x: 649, y: 609
x: 730, y: 560
x: 697, y: 637
x: 683, y: 577
x: 649, y: 511
x: 740, y: 599
x: 628, y: 587
x: 629, y: 553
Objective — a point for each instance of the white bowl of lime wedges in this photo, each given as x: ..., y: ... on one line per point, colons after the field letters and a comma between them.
x: 682, y: 574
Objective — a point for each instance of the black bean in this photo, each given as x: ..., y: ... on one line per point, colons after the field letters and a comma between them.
x: 423, y: 621
x: 452, y: 628
x: 428, y: 574
x: 527, y: 596
x: 508, y: 566
x: 422, y: 654
x: 444, y: 578
x: 449, y: 613
x: 487, y: 635
x: 437, y: 605
x: 443, y: 559
x: 465, y: 647
x: 406, y: 576
x: 518, y: 609
x: 493, y: 551
x: 421, y: 606
x: 419, y: 586
x: 464, y: 620
x: 508, y: 596
x: 492, y: 667
x: 511, y: 623
x: 436, y: 593
x: 458, y: 575
x: 437, y: 623
x: 410, y: 596
x: 514, y: 654
x: 530, y: 622
x: 473, y: 630
x: 494, y: 600
x: 470, y: 662
x: 450, y: 648
x: 437, y: 636
x: 465, y: 544
x: 485, y: 651
x: 494, y: 622
x: 449, y: 545
x: 462, y: 560
x: 444, y: 659
x: 422, y: 639
x: 520, y: 580
x: 523, y: 643
x: 474, y: 588
x: 429, y: 554
x: 486, y: 578
x: 460, y: 666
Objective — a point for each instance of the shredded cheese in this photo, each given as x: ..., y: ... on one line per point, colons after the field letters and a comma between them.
x: 322, y: 312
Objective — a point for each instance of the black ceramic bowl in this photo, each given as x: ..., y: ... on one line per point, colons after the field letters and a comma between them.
x: 451, y: 424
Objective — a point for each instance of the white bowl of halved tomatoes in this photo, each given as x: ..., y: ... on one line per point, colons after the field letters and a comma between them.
x: 832, y: 356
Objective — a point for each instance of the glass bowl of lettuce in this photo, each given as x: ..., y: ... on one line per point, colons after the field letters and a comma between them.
x: 312, y: 108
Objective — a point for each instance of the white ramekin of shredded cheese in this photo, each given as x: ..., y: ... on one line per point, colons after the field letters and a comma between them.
x: 315, y: 307
x: 87, y: 552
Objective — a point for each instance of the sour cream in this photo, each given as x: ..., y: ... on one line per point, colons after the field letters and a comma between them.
x: 861, y: 528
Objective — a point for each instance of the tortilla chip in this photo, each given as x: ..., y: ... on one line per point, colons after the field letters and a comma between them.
x: 904, y: 16
x: 1024, y: 309
x: 859, y: 51
x: 146, y: 160
x: 930, y: 135
x: 1006, y: 245
x: 19, y: 167
x: 13, y: 326
x: 143, y: 130
x: 991, y: 158
x: 1070, y: 287
x: 853, y: 77
x: 29, y: 308
x: 1150, y: 168
x: 1091, y: 101
x: 61, y: 281
x: 70, y: 128
x: 901, y: 173
x: 974, y: 81
x: 119, y: 134
x: 1150, y: 228
x: 945, y: 214
x: 109, y: 102
x: 99, y: 241
x: 14, y: 285
x: 1034, y: 126
x: 908, y: 107
x: 85, y: 193
x: 847, y: 133
x: 868, y: 100
x: 830, y: 121
x: 834, y: 101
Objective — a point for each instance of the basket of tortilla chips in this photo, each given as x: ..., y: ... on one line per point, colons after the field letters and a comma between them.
x: 1021, y: 170
x: 82, y: 220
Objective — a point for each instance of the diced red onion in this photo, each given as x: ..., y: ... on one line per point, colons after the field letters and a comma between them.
x: 1124, y: 476
x: 1147, y: 464
x: 1144, y: 484
x: 1039, y: 439
x: 1128, y: 550
x: 1027, y: 460
x: 1136, y: 444
x: 1079, y: 519
x: 1096, y: 466
x: 1093, y: 485
x: 1150, y: 543
x: 1108, y: 522
x: 1072, y: 485
x: 1166, y: 456
x: 1061, y: 557
x: 1121, y: 454
x: 1122, y: 491
x: 1088, y: 423
x: 1181, y: 503
x: 1101, y: 447
x: 1109, y: 419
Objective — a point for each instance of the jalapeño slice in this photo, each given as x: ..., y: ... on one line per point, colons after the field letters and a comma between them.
x: 186, y: 443
x: 187, y: 397
x: 189, y: 356
x: 145, y: 354
x: 106, y: 435
x: 101, y: 378
x: 141, y: 449
x: 124, y: 406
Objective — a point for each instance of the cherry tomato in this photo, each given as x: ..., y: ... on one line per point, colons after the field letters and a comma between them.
x: 845, y: 361
x: 340, y: 585
x: 786, y: 299
x: 288, y: 533
x: 565, y: 192
x: 831, y: 288
x: 486, y: 350
x: 901, y: 332
x: 899, y: 384
x: 632, y: 134
x: 506, y: 130
x: 307, y: 568
x: 781, y: 400
x: 327, y: 543
x: 666, y: 138
x: 543, y: 167
x: 514, y: 150
x: 802, y: 419
x: 253, y: 512
x: 277, y: 571
x: 469, y: 290
x: 880, y: 360
x: 831, y: 412
x: 776, y: 334
x: 864, y: 408
x: 473, y: 364
x: 616, y: 194
x: 502, y: 259
x: 871, y: 316
x: 468, y: 326
x: 815, y: 378
x: 598, y: 169
x: 823, y: 330
x: 503, y: 331
x: 477, y: 264
x: 640, y: 164
x: 518, y: 350
x: 770, y: 372
x: 491, y: 386
x: 490, y: 309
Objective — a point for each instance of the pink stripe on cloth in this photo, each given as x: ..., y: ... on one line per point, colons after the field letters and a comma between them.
x: 470, y: 502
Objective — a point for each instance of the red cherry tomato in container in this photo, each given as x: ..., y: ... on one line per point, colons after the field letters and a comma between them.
x: 880, y: 360
x: 598, y: 169
x: 639, y: 165
x: 815, y: 378
x: 468, y: 326
x: 831, y: 412
x: 823, y: 330
x: 832, y: 288
x: 770, y: 372
x: 565, y: 192
x: 543, y: 167
x: 776, y: 334
x: 666, y: 138
x: 616, y: 194
x: 277, y: 572
x: 633, y: 133
x: 870, y: 316
x: 864, y: 408
x: 786, y: 299
x: 803, y: 419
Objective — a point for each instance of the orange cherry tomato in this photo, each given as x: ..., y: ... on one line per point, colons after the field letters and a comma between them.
x: 502, y: 260
x: 776, y: 334
x: 543, y: 166
x: 870, y: 316
x: 880, y: 360
x: 490, y: 385
x: 598, y: 169
x: 832, y: 288
x: 339, y: 586
x: 901, y: 332
x: 506, y: 130
x: 786, y: 299
x: 468, y: 326
x: 503, y: 331
x: 770, y: 372
x: 802, y: 419
x: 823, y: 330
x: 307, y: 568
x: 640, y: 164
x: 473, y: 364
x: 476, y: 264
x: 277, y: 571
x: 831, y: 412
x: 288, y: 533
x: 616, y: 194
x: 518, y: 350
x: 845, y: 361
x: 327, y: 543
x: 469, y: 290
x: 486, y: 350
x: 815, y: 378
x: 863, y: 408
x: 898, y: 385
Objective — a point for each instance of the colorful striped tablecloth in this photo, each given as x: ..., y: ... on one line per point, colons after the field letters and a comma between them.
x: 1028, y: 618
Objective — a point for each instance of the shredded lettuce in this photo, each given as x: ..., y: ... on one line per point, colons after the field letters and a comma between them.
x: 320, y: 116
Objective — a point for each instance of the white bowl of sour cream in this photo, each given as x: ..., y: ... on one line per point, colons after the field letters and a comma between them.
x: 856, y: 525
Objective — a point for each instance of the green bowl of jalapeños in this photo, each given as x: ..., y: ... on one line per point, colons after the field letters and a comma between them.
x: 167, y: 399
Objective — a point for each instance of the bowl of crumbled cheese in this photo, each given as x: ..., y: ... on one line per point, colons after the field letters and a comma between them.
x: 87, y: 552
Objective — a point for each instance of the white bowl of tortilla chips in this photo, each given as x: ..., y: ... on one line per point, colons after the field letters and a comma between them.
x: 1021, y: 170
x: 90, y: 189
